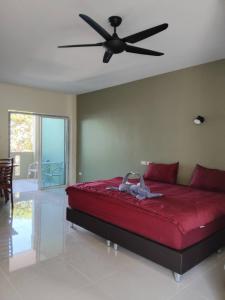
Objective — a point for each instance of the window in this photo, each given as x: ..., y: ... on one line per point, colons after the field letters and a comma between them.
x: 22, y: 133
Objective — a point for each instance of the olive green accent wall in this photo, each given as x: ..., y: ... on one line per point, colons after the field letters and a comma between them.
x: 152, y: 119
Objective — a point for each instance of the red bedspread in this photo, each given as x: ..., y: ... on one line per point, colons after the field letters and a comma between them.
x: 183, y: 206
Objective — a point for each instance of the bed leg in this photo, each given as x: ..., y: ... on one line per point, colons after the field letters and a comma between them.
x: 73, y: 226
x: 177, y: 277
x: 115, y: 246
x: 108, y: 243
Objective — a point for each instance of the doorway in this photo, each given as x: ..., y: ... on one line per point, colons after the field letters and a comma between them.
x: 39, y: 145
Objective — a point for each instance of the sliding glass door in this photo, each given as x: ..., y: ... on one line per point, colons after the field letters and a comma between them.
x: 53, y: 151
x: 39, y: 144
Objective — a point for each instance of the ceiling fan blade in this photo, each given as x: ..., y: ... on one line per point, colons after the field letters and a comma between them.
x: 134, y: 38
x: 81, y: 45
x: 96, y: 27
x: 107, y: 56
x: 138, y: 50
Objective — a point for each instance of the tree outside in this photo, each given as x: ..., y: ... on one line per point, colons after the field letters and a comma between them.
x: 22, y: 133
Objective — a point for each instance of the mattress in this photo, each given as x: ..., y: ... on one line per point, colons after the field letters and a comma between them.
x: 179, y: 219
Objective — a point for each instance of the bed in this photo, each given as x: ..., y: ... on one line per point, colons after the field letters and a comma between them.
x: 178, y: 230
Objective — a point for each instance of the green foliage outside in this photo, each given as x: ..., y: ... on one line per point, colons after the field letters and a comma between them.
x: 21, y: 132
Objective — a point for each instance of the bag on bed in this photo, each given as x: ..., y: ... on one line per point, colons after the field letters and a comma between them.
x: 139, y: 190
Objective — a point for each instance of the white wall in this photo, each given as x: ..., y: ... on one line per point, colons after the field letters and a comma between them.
x: 13, y: 97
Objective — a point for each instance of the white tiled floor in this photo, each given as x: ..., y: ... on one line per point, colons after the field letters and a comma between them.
x: 25, y: 185
x: 41, y: 257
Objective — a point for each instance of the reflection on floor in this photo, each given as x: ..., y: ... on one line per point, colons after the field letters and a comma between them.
x: 41, y: 257
x: 25, y: 185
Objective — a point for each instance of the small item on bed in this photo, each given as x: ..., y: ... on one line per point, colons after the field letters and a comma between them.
x: 139, y: 190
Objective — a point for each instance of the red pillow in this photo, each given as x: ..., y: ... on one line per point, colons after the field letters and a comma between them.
x: 208, y: 179
x: 162, y: 172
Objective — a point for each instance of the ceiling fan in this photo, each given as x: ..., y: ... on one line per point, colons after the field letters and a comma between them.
x: 113, y: 44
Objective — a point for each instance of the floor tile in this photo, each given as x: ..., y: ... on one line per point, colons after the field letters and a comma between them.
x: 188, y: 294
x: 25, y: 185
x: 140, y: 282
x: 93, y: 293
x: 42, y: 257
x: 7, y: 291
x: 95, y: 260
x: 51, y: 279
x: 211, y: 284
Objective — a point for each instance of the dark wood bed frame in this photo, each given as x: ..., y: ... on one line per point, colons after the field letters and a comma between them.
x: 178, y: 261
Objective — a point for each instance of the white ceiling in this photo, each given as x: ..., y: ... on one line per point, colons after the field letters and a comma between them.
x: 31, y: 30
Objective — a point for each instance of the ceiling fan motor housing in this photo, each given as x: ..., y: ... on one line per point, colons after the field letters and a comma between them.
x: 115, y: 45
x: 115, y: 21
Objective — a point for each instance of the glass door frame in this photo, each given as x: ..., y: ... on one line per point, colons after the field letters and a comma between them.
x: 67, y: 144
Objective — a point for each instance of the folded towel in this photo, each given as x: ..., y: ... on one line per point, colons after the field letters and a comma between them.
x: 139, y: 190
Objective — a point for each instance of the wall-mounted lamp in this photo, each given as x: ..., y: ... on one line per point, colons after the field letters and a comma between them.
x: 199, y: 120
